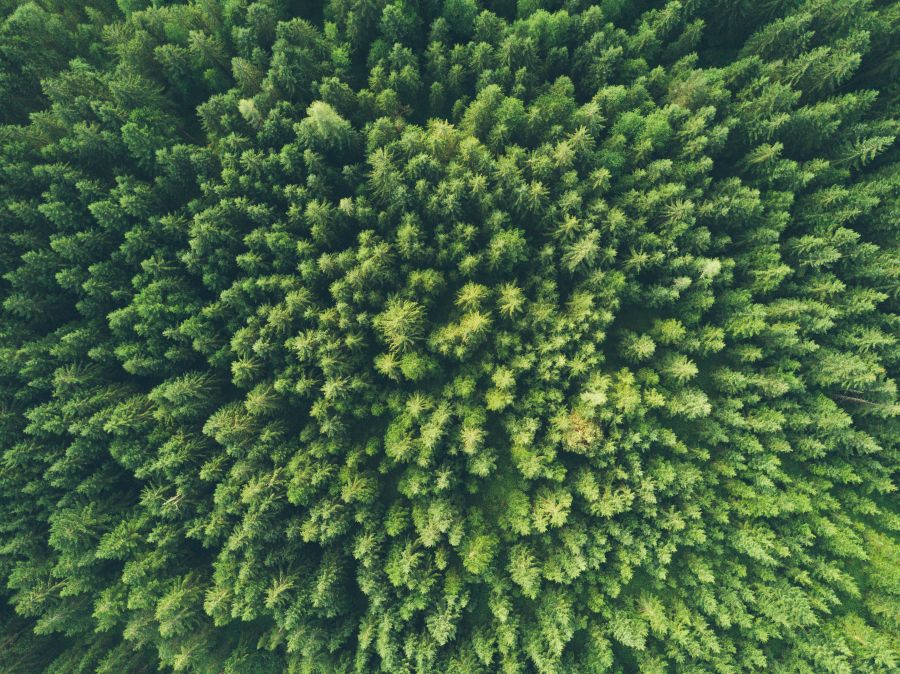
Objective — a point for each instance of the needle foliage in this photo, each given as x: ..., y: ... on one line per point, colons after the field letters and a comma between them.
x: 449, y: 337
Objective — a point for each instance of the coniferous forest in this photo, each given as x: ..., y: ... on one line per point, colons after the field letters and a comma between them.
x: 449, y: 336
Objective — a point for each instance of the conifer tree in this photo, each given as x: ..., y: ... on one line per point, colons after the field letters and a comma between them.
x: 520, y: 336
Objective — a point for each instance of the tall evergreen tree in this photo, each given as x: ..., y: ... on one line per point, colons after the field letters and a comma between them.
x: 412, y: 336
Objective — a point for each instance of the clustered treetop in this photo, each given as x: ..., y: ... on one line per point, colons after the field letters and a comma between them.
x: 451, y: 337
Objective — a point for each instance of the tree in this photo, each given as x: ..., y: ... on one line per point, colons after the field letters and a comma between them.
x: 448, y: 336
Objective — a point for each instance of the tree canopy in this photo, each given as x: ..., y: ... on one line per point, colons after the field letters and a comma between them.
x: 449, y: 336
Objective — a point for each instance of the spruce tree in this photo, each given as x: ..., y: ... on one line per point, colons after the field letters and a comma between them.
x: 458, y: 336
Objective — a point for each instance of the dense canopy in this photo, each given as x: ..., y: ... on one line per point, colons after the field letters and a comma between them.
x: 449, y: 336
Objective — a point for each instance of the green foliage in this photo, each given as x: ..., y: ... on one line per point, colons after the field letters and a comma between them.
x: 536, y: 336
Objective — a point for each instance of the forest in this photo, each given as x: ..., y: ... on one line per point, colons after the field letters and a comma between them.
x: 449, y: 336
